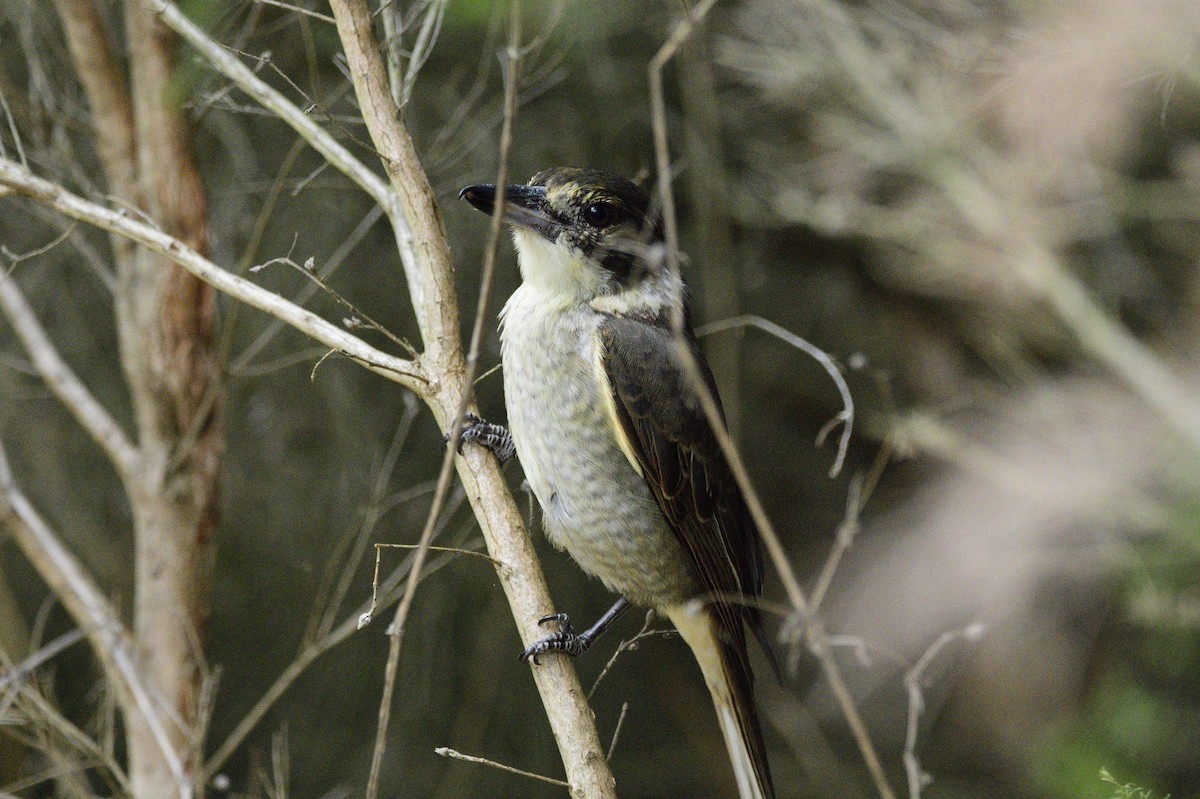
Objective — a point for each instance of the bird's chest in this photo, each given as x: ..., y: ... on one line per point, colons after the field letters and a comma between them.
x: 553, y: 393
x: 595, y: 504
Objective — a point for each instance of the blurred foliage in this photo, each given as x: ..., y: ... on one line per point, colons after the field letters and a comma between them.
x: 1126, y: 790
x: 1142, y: 717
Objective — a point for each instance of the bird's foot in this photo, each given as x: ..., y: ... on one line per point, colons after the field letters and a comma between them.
x: 565, y: 640
x: 494, y: 437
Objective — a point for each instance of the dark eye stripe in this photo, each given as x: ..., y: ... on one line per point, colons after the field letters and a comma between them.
x: 619, y: 264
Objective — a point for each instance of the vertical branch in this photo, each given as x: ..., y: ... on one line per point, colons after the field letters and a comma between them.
x: 95, y: 615
x: 817, y: 639
x: 466, y: 398
x: 427, y: 258
x: 165, y: 326
x: 109, y: 101
x: 718, y: 284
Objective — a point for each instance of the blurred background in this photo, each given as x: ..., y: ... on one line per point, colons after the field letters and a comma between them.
x: 987, y: 212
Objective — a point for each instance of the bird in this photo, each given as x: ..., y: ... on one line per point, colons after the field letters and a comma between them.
x: 609, y: 427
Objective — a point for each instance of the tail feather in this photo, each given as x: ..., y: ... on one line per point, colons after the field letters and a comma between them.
x: 723, y: 661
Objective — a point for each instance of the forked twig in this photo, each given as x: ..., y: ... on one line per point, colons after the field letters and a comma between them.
x: 628, y: 646
x: 917, y: 778
x: 845, y: 418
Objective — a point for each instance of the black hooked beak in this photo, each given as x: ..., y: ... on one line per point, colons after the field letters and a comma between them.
x: 524, y: 206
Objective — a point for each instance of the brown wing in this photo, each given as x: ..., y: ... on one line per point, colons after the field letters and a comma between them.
x: 681, y: 461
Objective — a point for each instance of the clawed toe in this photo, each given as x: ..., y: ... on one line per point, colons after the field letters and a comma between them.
x: 494, y: 437
x: 565, y: 640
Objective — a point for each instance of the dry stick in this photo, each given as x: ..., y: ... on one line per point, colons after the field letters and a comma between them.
x: 306, y: 656
x: 859, y: 491
x: 321, y: 140
x: 846, y: 417
x: 917, y: 778
x: 242, y: 363
x: 396, y: 628
x: 70, y: 390
x: 616, y: 736
x: 349, y: 551
x: 629, y: 645
x: 570, y: 719
x: 425, y: 258
x: 298, y: 10
x: 816, y: 634
x: 20, y: 671
x: 447, y: 752
x: 405, y: 372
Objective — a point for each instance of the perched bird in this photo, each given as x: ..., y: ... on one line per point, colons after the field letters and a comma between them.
x: 612, y: 436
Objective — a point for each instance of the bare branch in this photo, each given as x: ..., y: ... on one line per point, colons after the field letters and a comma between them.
x: 846, y: 417
x: 21, y: 670
x: 629, y: 645
x: 917, y: 778
x: 405, y: 372
x: 465, y: 399
x: 298, y: 10
x: 616, y: 736
x: 70, y: 390
x: 306, y: 656
x: 432, y: 287
x: 320, y: 139
x: 107, y: 92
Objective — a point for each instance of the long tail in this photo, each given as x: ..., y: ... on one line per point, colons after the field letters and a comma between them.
x: 723, y: 660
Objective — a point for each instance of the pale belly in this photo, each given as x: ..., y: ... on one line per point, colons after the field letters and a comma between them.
x: 594, y: 503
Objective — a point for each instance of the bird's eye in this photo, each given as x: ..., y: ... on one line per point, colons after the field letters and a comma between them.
x: 599, y: 215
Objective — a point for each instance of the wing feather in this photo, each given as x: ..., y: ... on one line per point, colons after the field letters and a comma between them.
x: 662, y: 423
x: 678, y: 455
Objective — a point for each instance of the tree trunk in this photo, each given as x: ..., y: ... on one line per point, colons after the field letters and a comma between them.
x: 165, y: 318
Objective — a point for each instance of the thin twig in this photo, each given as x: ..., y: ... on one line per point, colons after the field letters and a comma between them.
x: 451, y: 550
x: 917, y: 778
x: 320, y: 139
x: 69, y: 389
x: 396, y: 628
x: 767, y: 531
x: 483, y: 761
x: 304, y: 658
x: 298, y: 10
x: 846, y: 417
x: 17, y: 258
x: 857, y: 494
x: 368, y: 616
x: 46, y: 653
x: 628, y: 646
x: 88, y: 606
x: 332, y: 592
x: 12, y: 128
x: 309, y: 270
x: 616, y: 736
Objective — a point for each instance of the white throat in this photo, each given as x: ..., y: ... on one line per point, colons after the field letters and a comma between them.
x: 560, y: 276
x: 554, y: 269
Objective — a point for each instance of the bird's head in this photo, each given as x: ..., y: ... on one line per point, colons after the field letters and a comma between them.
x: 580, y: 232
